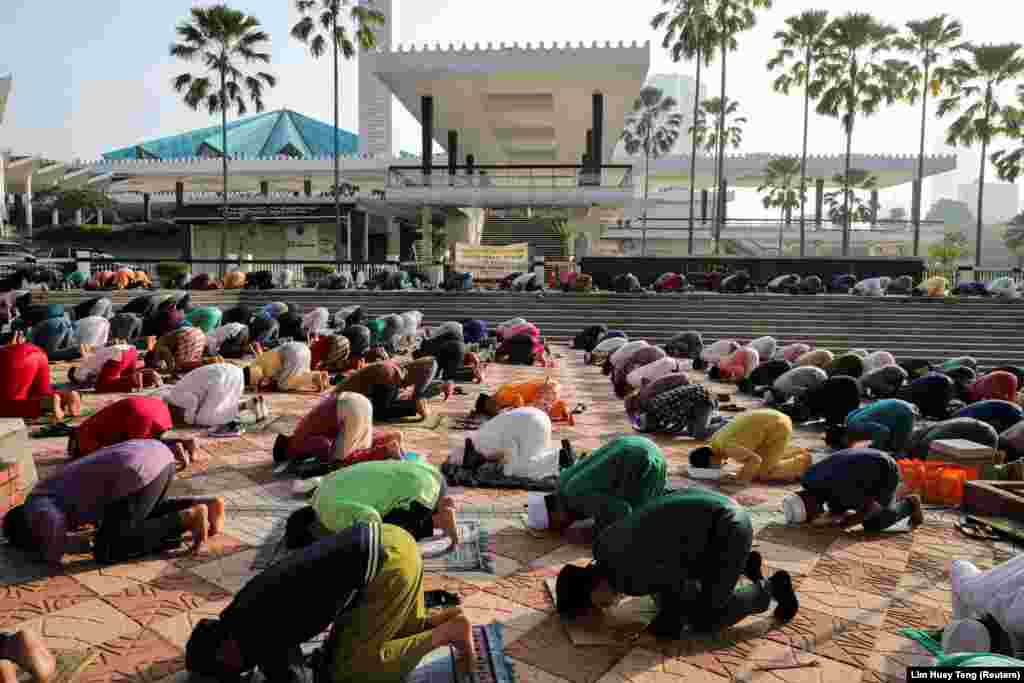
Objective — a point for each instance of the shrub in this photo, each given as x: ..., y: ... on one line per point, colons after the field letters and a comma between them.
x: 169, y: 272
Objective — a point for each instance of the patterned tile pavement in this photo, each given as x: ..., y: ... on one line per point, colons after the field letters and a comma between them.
x: 856, y: 592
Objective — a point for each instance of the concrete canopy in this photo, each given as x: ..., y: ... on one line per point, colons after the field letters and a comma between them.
x: 518, y: 105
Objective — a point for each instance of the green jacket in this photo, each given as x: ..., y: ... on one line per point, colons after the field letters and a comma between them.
x: 612, y: 481
x: 977, y: 659
x: 674, y: 540
x: 368, y: 491
x: 206, y: 318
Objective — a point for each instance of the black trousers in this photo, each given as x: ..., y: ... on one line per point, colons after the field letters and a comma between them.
x: 141, y: 523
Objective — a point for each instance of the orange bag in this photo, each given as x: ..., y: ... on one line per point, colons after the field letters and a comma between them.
x: 944, y: 483
x: 912, y: 473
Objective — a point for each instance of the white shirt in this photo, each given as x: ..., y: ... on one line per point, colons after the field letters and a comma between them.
x: 765, y: 346
x: 998, y: 592
x: 316, y: 320
x: 871, y: 287
x: 717, y: 351
x: 93, y: 330
x: 878, y: 359
x: 209, y: 395
x: 91, y: 365
x: 216, y: 339
x: 522, y: 280
x: 524, y: 436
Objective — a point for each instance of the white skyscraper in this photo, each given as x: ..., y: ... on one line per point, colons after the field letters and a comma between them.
x: 375, y: 103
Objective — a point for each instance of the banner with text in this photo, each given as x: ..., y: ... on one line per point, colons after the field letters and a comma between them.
x: 492, y: 263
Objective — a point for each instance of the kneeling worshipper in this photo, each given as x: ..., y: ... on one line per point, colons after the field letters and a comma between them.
x: 999, y: 385
x: 128, y: 326
x: 230, y: 340
x: 832, y: 401
x: 887, y: 424
x: 883, y: 382
x: 848, y: 364
x: 988, y: 609
x: 338, y: 431
x: 522, y: 349
x: 937, y: 286
x: 621, y: 476
x: 683, y: 409
x: 1000, y: 414
x: 382, y: 382
x: 711, y: 355
x: 134, y: 417
x: 286, y: 368
x: 652, y: 372
x: 920, y: 442
x: 329, y: 352
x: 759, y: 441
x: 1004, y: 288
x: 589, y: 337
x: 316, y: 321
x: 856, y: 486
x: 365, y: 584
x: 690, y: 569
x: 474, y: 331
x: 794, y: 383
x: 819, y: 358
x: 620, y: 355
x: 544, y: 394
x: 123, y: 490
x: 765, y: 347
x: 685, y: 345
x: 99, y: 306
x: 206, y: 318
x: 410, y: 494
x: 25, y: 391
x: 518, y: 440
x: 264, y: 332
x: 211, y: 396
x: 27, y: 651
x: 764, y: 376
x: 783, y: 284
x: 239, y: 314
x: 179, y: 352
x: 932, y: 394
x: 603, y: 351
x: 449, y: 351
x: 735, y: 367
x: 872, y: 286
x: 641, y: 358
x: 791, y: 352
x: 113, y: 369
x: 56, y: 336
x: 878, y: 359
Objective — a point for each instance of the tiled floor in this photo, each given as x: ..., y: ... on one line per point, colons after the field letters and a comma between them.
x: 856, y: 592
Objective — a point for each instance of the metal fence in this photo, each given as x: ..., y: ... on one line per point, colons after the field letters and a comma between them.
x: 969, y: 273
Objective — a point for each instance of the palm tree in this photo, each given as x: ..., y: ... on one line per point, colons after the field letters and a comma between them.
x: 347, y: 27
x: 717, y: 139
x: 653, y: 127
x: 803, y: 36
x: 846, y: 206
x: 930, y: 41
x: 688, y: 34
x: 782, y: 191
x: 1010, y: 163
x: 224, y: 40
x: 976, y: 78
x: 731, y: 17
x: 854, y: 78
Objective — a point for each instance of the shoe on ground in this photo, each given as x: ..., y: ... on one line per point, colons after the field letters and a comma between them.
x: 781, y: 586
x: 753, y: 570
x: 916, y: 512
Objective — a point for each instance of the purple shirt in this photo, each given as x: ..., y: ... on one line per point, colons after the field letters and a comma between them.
x: 79, y: 493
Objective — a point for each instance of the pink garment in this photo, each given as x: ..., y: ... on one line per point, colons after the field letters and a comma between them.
x: 527, y: 329
x: 793, y: 351
x: 652, y: 372
x: 739, y: 364
x: 878, y: 359
x: 719, y: 350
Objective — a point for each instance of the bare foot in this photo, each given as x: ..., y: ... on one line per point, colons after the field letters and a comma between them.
x: 8, y: 672
x: 30, y: 653
x: 216, y: 509
x: 421, y: 408
x: 181, y: 456
x: 189, y: 445
x: 150, y: 343
x: 54, y: 406
x: 461, y: 632
x: 151, y: 379
x: 197, y: 522
x: 73, y: 403
x: 448, y: 389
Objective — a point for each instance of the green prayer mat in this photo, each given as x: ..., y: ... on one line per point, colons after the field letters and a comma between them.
x: 928, y: 639
x: 52, y: 430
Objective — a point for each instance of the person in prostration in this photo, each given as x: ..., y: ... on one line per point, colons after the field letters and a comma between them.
x: 286, y: 368
x: 886, y: 424
x: 365, y: 584
x: 410, y: 494
x: 999, y: 385
x: 851, y: 487
x: 607, y: 486
x: 56, y: 336
x: 113, y: 369
x: 519, y: 439
x: 600, y: 354
x: 25, y: 391
x: 684, y: 409
x: 338, y: 430
x: 230, y: 340
x: 134, y: 417
x: 180, y: 351
x: 211, y: 396
x: 206, y: 318
x: 1001, y: 415
x: 932, y: 394
x: 123, y: 490
x: 543, y: 393
x: 691, y: 569
x: 988, y: 608
x: 329, y: 352
x: 883, y: 382
x: 760, y: 441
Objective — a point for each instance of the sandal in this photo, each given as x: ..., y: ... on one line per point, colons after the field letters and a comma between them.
x: 977, y: 531
x: 579, y: 409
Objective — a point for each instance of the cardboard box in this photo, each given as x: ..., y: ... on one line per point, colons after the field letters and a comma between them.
x: 958, y: 450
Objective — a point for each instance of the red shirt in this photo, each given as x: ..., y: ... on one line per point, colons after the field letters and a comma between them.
x: 999, y: 385
x: 135, y: 417
x: 24, y: 372
x: 322, y: 420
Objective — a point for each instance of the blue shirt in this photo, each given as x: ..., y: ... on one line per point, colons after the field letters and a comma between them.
x: 847, y: 480
x: 1000, y: 414
x: 889, y: 423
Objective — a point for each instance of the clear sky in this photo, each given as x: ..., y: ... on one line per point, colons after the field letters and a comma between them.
x: 90, y: 77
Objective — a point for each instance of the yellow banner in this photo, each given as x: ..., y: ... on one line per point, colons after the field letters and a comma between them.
x: 491, y: 263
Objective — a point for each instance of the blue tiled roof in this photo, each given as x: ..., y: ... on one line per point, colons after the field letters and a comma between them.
x: 267, y: 134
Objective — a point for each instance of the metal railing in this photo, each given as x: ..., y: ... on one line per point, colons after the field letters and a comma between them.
x: 512, y: 177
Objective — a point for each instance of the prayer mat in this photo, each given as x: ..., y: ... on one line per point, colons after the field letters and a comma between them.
x: 274, y: 550
x: 71, y: 664
x: 619, y: 625
x: 433, y: 422
x: 472, y: 554
x: 275, y: 424
x: 466, y: 423
x: 492, y: 476
x: 491, y: 664
x: 928, y: 639
x: 52, y: 430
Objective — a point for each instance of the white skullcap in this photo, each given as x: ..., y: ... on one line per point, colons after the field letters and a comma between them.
x: 537, y: 512
x: 966, y: 635
x: 794, y: 509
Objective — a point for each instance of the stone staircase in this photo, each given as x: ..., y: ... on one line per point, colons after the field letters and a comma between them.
x: 538, y: 233
x: 935, y: 329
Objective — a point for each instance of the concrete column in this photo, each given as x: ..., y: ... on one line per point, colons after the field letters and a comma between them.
x: 704, y: 206
x: 366, y: 237
x: 427, y: 137
x: 341, y: 239
x: 307, y: 187
x: 99, y: 216
x: 54, y: 217
x: 425, y: 245
x: 78, y: 216
x: 179, y: 195
x: 28, y: 205
x: 819, y: 200
x: 589, y: 154
x: 393, y: 250
x: 264, y: 188
x: 874, y: 207
x: 188, y: 235
x: 147, y: 207
x: 453, y: 154
x: 597, y: 153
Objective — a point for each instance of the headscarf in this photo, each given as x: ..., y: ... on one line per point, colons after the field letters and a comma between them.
x: 878, y: 359
x: 349, y: 316
x: 765, y: 347
x: 315, y: 321
x: 335, y: 352
x: 355, y: 414
x: 791, y: 352
x: 411, y: 321
x: 93, y: 330
x: 125, y: 326
x: 264, y: 330
x: 291, y: 326
x: 376, y: 328
x: 719, y: 350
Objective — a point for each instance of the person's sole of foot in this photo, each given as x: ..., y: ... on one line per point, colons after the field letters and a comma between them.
x: 74, y: 403
x: 198, y: 524
x: 917, y: 512
x: 33, y: 656
x: 181, y: 456
x: 782, y: 590
x: 754, y: 569
x: 216, y: 510
x: 55, y: 405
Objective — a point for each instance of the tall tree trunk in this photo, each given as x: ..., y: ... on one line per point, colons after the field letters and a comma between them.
x: 846, y: 189
x: 647, y: 173
x: 720, y: 174
x: 782, y: 222
x: 981, y: 175
x: 803, y: 155
x: 920, y: 161
x: 224, y: 169
x: 693, y: 152
x: 337, y: 161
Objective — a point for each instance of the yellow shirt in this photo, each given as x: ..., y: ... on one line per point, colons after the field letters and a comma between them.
x: 749, y: 430
x: 935, y: 286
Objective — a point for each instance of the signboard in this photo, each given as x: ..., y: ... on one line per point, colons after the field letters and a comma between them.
x: 492, y: 263
x: 260, y: 213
